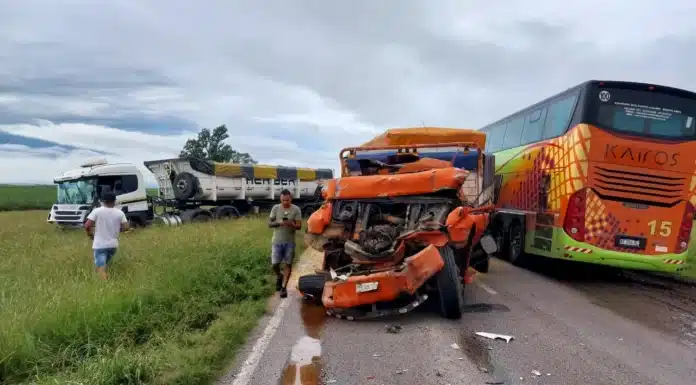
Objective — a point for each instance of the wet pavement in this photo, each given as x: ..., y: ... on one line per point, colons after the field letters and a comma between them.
x: 569, y: 327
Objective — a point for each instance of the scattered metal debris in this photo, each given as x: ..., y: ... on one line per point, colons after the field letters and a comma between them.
x: 494, y: 336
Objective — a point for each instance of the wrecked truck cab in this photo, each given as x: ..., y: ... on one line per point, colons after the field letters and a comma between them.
x: 405, y: 221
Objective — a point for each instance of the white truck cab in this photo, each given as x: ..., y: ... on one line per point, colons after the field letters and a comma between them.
x: 78, y: 191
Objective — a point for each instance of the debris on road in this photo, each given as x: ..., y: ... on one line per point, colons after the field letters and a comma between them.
x: 376, y: 355
x: 494, y: 336
x: 536, y: 373
x: 331, y: 381
x: 454, y: 346
x: 495, y: 382
x: 394, y: 329
x: 401, y: 371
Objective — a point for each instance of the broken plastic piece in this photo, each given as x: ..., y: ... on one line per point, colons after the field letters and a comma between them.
x: 454, y: 346
x: 494, y: 336
x: 536, y: 373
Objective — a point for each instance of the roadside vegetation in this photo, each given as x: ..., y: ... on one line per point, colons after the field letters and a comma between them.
x: 179, y: 302
x: 33, y: 197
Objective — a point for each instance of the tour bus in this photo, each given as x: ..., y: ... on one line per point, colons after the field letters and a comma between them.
x: 603, y: 172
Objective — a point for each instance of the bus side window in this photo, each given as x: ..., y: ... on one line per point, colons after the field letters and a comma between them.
x: 559, y: 116
x: 495, y: 137
x: 534, y: 126
x: 513, y: 135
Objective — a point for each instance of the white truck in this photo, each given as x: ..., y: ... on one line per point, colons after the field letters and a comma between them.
x: 189, y: 190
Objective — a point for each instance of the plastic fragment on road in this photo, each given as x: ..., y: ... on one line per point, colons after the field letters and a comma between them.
x: 536, y: 373
x: 454, y: 346
x: 401, y: 371
x: 494, y: 336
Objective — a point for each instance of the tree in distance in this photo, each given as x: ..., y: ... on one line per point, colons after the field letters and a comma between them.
x: 212, y: 146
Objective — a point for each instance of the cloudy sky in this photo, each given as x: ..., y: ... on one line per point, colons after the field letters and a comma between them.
x: 296, y: 80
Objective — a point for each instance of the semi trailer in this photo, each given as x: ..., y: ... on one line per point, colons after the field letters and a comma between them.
x: 187, y: 190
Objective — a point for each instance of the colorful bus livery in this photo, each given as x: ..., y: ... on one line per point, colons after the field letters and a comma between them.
x: 604, y: 172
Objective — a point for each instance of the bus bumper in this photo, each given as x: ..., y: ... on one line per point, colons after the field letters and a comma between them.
x: 587, y: 253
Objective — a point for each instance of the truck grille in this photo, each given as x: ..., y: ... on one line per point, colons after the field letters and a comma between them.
x: 661, y: 190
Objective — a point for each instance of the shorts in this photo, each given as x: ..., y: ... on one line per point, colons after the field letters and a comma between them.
x: 103, y: 256
x: 283, y: 253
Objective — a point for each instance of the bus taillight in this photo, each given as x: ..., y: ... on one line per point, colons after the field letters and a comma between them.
x: 574, y: 223
x: 685, y: 228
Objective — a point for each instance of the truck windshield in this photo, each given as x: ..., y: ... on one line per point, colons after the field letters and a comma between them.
x: 645, y: 113
x: 77, y: 192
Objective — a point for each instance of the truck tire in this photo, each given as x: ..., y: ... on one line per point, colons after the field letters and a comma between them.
x: 450, y: 286
x: 185, y: 186
x: 225, y: 212
x: 195, y: 215
x: 312, y: 287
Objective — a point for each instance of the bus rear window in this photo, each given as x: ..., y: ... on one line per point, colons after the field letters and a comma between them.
x: 645, y: 113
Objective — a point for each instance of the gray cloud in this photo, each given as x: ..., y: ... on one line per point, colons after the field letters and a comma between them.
x: 301, y: 79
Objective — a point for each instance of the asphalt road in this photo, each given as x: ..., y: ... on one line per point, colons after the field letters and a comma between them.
x: 570, y: 326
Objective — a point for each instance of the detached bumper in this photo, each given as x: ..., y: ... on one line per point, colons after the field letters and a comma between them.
x: 385, y: 285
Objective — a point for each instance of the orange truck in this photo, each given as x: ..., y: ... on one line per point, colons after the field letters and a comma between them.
x: 406, y: 220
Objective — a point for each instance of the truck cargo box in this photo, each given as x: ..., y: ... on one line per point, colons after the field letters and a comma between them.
x: 203, y: 180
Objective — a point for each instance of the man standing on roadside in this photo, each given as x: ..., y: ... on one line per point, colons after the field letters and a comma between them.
x: 285, y: 219
x: 109, y: 222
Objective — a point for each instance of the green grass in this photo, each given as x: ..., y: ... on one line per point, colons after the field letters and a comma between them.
x: 28, y: 197
x: 33, y: 197
x: 178, y: 303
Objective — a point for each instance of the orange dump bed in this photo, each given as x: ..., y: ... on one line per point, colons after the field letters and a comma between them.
x: 381, y: 186
x: 426, y: 136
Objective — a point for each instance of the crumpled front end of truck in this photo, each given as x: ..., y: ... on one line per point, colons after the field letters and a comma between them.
x: 390, y: 240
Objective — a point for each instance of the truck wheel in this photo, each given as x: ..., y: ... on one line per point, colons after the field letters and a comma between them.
x: 450, y: 286
x: 225, y: 212
x: 195, y: 215
x: 312, y: 286
x: 307, y: 211
x: 515, y: 244
x: 185, y: 186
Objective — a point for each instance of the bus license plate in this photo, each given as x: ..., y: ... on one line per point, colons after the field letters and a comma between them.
x: 365, y: 287
x: 630, y: 242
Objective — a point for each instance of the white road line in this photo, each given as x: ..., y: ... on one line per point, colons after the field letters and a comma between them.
x: 487, y: 288
x: 249, y: 366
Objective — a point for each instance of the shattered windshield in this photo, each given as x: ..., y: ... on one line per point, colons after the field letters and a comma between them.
x: 76, y: 191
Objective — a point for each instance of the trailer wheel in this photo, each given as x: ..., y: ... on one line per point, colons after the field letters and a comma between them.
x: 450, y: 286
x: 195, y: 215
x: 308, y: 210
x: 225, y: 212
x: 185, y: 186
x: 312, y: 287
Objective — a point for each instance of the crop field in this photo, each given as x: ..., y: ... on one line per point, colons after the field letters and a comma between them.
x: 177, y: 304
x: 32, y: 197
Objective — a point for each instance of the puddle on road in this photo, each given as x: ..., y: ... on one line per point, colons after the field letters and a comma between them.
x: 305, y: 365
x: 478, y: 352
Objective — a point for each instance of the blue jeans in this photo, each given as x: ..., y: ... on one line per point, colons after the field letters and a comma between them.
x: 283, y: 253
x: 103, y: 256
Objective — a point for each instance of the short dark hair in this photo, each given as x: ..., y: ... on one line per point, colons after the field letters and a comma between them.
x: 286, y: 192
x: 108, y: 197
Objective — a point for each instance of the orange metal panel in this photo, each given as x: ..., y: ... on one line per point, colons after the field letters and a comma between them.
x: 374, y: 186
x: 420, y: 267
x: 426, y: 135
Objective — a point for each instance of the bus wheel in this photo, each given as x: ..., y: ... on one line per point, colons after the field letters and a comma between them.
x: 515, y: 241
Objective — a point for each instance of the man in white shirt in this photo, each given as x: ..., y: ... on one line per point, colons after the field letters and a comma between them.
x: 109, y: 222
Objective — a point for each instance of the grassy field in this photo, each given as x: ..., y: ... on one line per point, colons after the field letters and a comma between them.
x: 32, y: 197
x: 178, y: 303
